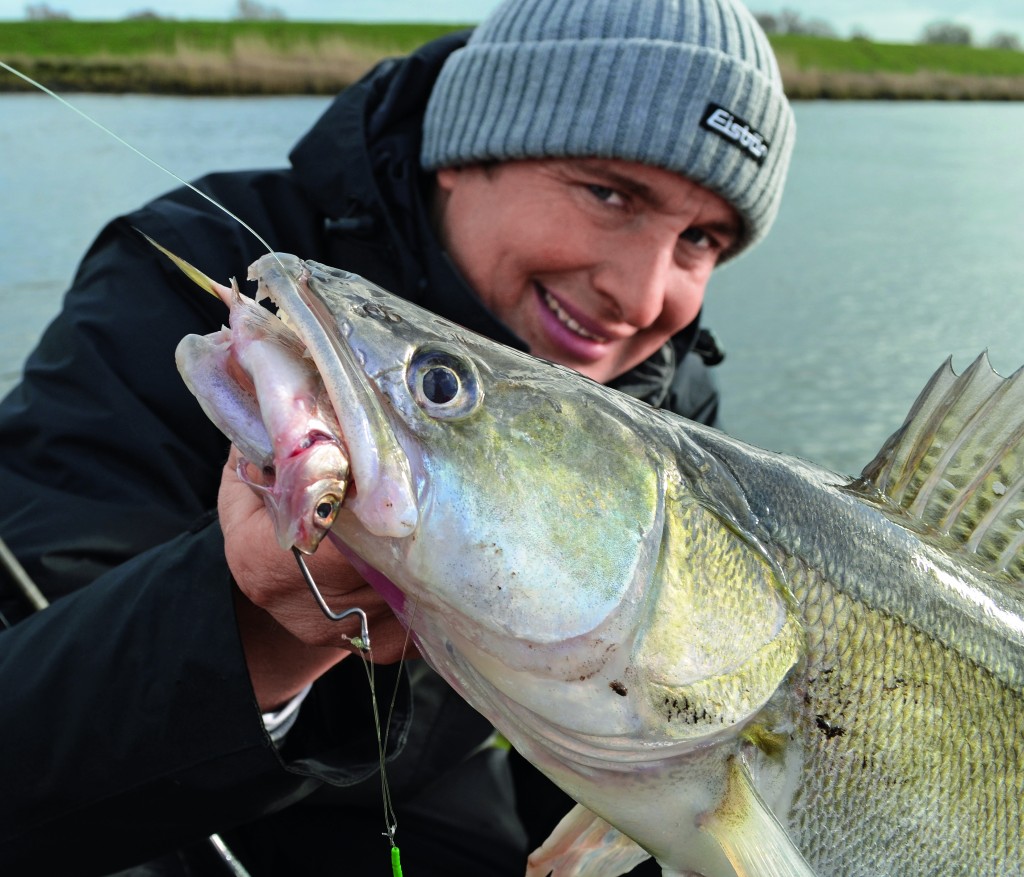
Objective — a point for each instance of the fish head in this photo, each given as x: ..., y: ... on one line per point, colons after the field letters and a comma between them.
x: 481, y: 479
x: 303, y: 493
x: 563, y: 554
x: 515, y: 512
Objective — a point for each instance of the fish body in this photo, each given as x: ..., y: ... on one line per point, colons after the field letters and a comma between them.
x: 737, y: 662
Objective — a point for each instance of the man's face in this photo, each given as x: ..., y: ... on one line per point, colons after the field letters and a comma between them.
x: 593, y: 263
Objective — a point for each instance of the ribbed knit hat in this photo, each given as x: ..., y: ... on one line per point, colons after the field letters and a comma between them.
x: 687, y: 85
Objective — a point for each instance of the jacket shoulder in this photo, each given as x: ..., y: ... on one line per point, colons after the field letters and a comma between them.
x: 694, y: 391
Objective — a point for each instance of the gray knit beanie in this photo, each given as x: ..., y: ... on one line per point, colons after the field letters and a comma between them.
x: 687, y: 85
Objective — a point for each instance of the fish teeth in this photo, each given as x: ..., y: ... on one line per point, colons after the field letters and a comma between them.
x: 568, y: 321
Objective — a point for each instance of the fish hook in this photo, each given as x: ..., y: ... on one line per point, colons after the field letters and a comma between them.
x: 361, y: 642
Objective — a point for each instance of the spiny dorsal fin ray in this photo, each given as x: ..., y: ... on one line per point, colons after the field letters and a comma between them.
x: 956, y: 465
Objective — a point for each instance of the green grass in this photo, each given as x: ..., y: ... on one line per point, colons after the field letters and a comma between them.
x: 275, y: 57
x: 862, y: 56
x: 78, y: 39
x: 83, y: 39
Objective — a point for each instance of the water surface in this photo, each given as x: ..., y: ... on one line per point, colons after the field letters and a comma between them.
x: 900, y: 242
x: 61, y: 180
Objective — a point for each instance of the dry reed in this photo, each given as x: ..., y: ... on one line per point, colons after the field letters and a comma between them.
x: 921, y: 85
x: 252, y: 66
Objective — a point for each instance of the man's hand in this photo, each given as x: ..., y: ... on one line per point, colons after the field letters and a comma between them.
x: 288, y: 641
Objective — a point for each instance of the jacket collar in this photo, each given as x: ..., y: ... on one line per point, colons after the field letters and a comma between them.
x: 371, y: 124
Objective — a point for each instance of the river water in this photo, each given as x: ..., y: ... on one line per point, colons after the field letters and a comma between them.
x: 900, y: 242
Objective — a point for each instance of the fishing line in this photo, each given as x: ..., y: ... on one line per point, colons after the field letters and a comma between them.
x: 382, y: 744
x: 136, y: 150
x: 362, y: 642
x: 390, y: 816
x: 152, y: 161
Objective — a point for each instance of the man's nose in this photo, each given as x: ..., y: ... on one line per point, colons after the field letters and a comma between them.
x: 635, y: 279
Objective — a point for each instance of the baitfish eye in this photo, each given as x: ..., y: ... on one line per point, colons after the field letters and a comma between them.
x: 443, y: 383
x: 326, y: 510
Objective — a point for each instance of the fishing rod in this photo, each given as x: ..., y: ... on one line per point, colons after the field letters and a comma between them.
x: 361, y: 642
x: 37, y: 600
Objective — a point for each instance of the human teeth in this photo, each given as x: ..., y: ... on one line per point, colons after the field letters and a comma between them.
x: 568, y: 321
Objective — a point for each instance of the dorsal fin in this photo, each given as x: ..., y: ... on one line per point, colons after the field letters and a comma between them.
x: 956, y: 465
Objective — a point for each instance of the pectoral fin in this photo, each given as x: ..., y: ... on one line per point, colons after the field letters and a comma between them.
x: 749, y: 834
x: 584, y: 845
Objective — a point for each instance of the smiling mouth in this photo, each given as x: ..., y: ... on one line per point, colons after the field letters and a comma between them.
x: 568, y: 321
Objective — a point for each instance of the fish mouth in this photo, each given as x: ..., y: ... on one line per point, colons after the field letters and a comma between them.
x: 380, y: 492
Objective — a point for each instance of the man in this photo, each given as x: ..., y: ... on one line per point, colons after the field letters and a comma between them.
x: 564, y: 182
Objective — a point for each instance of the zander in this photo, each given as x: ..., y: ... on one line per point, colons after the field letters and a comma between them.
x: 736, y: 661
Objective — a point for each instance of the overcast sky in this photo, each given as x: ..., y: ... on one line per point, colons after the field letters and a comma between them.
x: 884, y: 20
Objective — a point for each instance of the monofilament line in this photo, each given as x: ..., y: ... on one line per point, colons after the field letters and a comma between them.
x: 134, y: 149
x: 390, y: 817
x: 32, y: 593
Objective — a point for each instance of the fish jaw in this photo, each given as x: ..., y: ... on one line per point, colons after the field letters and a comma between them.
x: 255, y: 383
x: 385, y: 498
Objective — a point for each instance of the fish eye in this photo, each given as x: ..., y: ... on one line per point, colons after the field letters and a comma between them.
x: 326, y: 510
x: 444, y: 384
x: 440, y: 384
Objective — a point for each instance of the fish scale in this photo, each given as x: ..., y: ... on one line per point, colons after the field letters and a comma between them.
x: 889, y: 709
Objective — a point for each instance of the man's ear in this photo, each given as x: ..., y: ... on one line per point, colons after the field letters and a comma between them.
x: 447, y: 178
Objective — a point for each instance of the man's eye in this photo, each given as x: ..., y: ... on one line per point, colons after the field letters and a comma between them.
x: 699, y: 238
x: 604, y: 193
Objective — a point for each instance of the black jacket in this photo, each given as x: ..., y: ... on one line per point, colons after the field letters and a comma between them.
x: 130, y: 729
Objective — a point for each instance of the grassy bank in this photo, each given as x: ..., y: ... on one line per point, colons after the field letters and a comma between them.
x: 813, y: 67
x: 202, y: 57
x: 267, y: 57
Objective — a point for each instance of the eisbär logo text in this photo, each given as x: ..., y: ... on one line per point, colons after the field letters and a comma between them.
x: 731, y: 127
